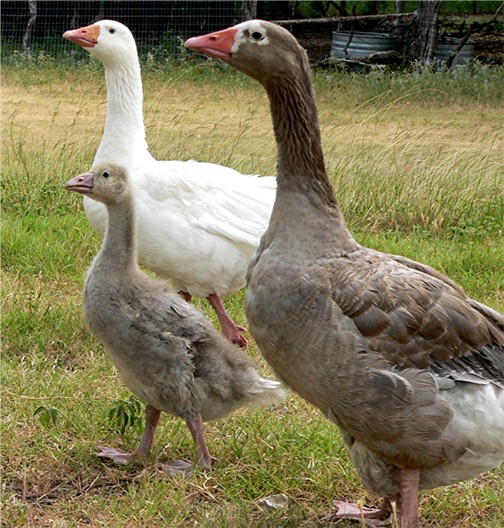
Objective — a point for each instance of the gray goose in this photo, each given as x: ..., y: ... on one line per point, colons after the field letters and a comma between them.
x: 168, y: 353
x: 393, y: 352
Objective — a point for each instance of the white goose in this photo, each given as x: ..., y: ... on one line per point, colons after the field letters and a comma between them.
x: 198, y: 223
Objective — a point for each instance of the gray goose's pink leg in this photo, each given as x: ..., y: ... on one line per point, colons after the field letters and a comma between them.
x: 410, y: 480
x: 407, y: 501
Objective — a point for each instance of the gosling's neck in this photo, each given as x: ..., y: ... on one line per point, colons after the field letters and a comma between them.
x: 118, y: 254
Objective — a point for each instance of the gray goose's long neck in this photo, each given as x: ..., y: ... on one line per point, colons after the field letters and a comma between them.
x: 124, y: 132
x: 301, y: 168
x: 118, y: 252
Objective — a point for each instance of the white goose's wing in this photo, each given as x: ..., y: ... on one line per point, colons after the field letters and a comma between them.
x: 217, y: 201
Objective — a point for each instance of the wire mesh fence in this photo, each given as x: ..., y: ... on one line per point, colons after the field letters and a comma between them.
x: 35, y: 27
x: 32, y: 29
x: 159, y: 27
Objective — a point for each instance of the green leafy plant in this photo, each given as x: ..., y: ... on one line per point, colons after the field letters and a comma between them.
x: 126, y: 413
x: 47, y: 414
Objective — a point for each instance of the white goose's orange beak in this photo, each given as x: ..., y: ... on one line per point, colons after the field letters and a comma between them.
x: 87, y: 36
x: 218, y: 45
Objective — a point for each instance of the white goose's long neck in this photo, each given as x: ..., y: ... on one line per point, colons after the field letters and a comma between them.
x: 124, y: 134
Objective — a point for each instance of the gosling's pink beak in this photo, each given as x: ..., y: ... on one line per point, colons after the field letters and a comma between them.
x: 87, y: 37
x: 217, y: 45
x: 82, y: 184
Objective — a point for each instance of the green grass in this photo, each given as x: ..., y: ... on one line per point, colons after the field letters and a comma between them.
x: 417, y: 164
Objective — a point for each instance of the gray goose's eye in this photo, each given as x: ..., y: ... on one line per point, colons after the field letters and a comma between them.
x: 105, y: 174
x: 257, y: 36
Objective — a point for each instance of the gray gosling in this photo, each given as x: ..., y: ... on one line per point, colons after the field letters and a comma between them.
x: 167, y: 352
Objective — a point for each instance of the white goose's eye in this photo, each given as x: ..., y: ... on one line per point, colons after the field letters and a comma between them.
x: 111, y: 30
x: 257, y: 36
x: 105, y: 174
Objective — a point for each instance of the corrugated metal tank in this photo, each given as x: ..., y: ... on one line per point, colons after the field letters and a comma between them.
x: 361, y: 45
x: 445, y: 49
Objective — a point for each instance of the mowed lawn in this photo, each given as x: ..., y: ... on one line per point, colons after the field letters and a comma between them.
x: 417, y: 163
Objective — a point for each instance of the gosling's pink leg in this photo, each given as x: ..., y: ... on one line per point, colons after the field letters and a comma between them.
x: 410, y: 481
x: 121, y: 457
x: 174, y: 467
x: 151, y: 422
x: 195, y: 425
x: 230, y: 329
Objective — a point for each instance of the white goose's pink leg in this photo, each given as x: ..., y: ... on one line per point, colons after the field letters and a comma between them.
x: 186, y: 296
x: 230, y: 329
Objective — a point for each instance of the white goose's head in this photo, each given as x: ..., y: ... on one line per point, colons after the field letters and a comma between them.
x: 108, y: 40
x: 258, y: 48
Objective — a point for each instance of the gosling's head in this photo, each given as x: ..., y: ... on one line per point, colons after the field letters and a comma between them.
x: 106, y: 182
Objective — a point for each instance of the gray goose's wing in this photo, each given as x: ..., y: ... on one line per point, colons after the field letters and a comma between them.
x: 412, y: 314
x: 416, y: 331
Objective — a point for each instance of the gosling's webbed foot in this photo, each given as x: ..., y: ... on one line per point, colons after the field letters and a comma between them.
x: 116, y: 455
x: 177, y: 468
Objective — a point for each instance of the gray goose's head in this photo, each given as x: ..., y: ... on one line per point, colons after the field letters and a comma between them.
x: 260, y: 49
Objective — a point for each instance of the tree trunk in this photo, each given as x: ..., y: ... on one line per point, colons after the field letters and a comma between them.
x: 27, y: 37
x: 249, y: 9
x: 423, y: 43
x: 399, y: 6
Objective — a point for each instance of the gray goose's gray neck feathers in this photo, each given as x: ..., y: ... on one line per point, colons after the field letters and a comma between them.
x: 301, y: 166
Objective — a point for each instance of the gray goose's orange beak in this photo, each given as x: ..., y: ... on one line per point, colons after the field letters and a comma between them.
x: 87, y: 37
x: 217, y: 45
x: 82, y: 184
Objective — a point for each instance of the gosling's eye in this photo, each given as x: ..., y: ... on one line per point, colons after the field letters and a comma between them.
x: 105, y: 174
x: 111, y: 30
x: 257, y: 36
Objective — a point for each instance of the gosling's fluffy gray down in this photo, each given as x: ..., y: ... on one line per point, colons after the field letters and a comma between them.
x: 167, y: 352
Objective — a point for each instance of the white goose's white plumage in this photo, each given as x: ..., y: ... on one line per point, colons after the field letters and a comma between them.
x: 198, y: 223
